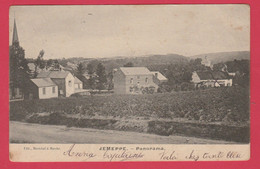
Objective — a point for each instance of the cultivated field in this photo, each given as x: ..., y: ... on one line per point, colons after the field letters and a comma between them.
x: 215, y: 113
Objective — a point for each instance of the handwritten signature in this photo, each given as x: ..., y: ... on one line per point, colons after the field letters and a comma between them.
x: 122, y: 156
x: 72, y: 153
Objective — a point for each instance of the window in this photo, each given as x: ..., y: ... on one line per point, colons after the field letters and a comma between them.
x: 146, y: 80
x: 69, y: 83
x: 131, y: 81
x: 53, y: 89
x: 43, y: 90
x: 138, y: 77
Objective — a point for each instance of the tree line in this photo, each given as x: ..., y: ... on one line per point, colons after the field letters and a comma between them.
x: 94, y: 76
x: 180, y: 75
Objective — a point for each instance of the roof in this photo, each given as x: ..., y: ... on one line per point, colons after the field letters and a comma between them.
x: 15, y: 34
x: 76, y: 80
x: 43, y: 82
x: 205, y: 75
x: 53, y: 74
x: 220, y: 75
x: 210, y: 75
x: 159, y: 75
x: 135, y: 71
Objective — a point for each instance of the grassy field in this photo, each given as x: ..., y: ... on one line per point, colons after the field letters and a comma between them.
x: 148, y: 113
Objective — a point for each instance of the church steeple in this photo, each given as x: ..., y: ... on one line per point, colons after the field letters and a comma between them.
x: 15, y: 35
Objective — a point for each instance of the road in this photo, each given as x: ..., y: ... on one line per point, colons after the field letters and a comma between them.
x: 36, y: 133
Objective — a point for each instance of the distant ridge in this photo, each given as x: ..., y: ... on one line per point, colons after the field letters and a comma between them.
x: 155, y: 62
x: 147, y: 61
x: 224, y: 56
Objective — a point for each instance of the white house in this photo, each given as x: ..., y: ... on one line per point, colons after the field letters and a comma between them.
x: 211, y: 79
x: 63, y: 79
x: 43, y: 88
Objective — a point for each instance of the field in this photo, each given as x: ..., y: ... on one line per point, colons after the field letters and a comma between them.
x: 216, y: 113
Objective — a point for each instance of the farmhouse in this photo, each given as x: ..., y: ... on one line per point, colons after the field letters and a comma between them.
x: 133, y: 80
x: 211, y: 79
x: 64, y: 80
x: 43, y: 88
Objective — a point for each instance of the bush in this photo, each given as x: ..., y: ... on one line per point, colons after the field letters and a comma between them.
x: 228, y: 104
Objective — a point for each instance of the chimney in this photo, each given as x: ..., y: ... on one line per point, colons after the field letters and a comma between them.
x: 156, y: 74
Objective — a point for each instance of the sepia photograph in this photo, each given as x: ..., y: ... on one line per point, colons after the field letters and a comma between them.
x: 129, y: 74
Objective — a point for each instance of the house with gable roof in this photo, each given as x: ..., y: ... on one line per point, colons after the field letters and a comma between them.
x: 43, y: 88
x: 133, y: 80
x: 211, y: 79
x: 63, y: 79
x: 53, y: 84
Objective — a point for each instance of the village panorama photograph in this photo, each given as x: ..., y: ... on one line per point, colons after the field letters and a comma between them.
x: 129, y: 74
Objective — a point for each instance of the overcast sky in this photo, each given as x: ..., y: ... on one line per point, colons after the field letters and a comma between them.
x: 107, y: 31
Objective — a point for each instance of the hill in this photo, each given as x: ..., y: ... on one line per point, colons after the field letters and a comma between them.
x: 116, y: 62
x: 156, y: 62
x: 224, y: 56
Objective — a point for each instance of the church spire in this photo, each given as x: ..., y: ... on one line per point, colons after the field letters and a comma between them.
x: 15, y: 35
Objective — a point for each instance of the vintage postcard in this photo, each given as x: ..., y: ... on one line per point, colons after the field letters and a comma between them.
x: 129, y: 83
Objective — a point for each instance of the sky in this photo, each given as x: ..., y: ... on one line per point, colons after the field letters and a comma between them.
x: 103, y: 31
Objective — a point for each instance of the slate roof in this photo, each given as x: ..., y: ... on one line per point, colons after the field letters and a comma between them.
x: 43, y: 82
x: 53, y: 74
x: 210, y: 75
x: 159, y: 75
x: 135, y: 71
x: 205, y: 75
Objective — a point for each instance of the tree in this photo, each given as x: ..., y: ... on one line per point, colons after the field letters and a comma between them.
x: 91, y: 80
x: 49, y: 63
x: 101, y: 76
x: 197, y: 61
x: 178, y: 73
x: 195, y: 65
x: 56, y: 64
x: 19, y: 70
x: 39, y: 63
x: 129, y: 64
x: 80, y: 69
x: 110, y: 84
